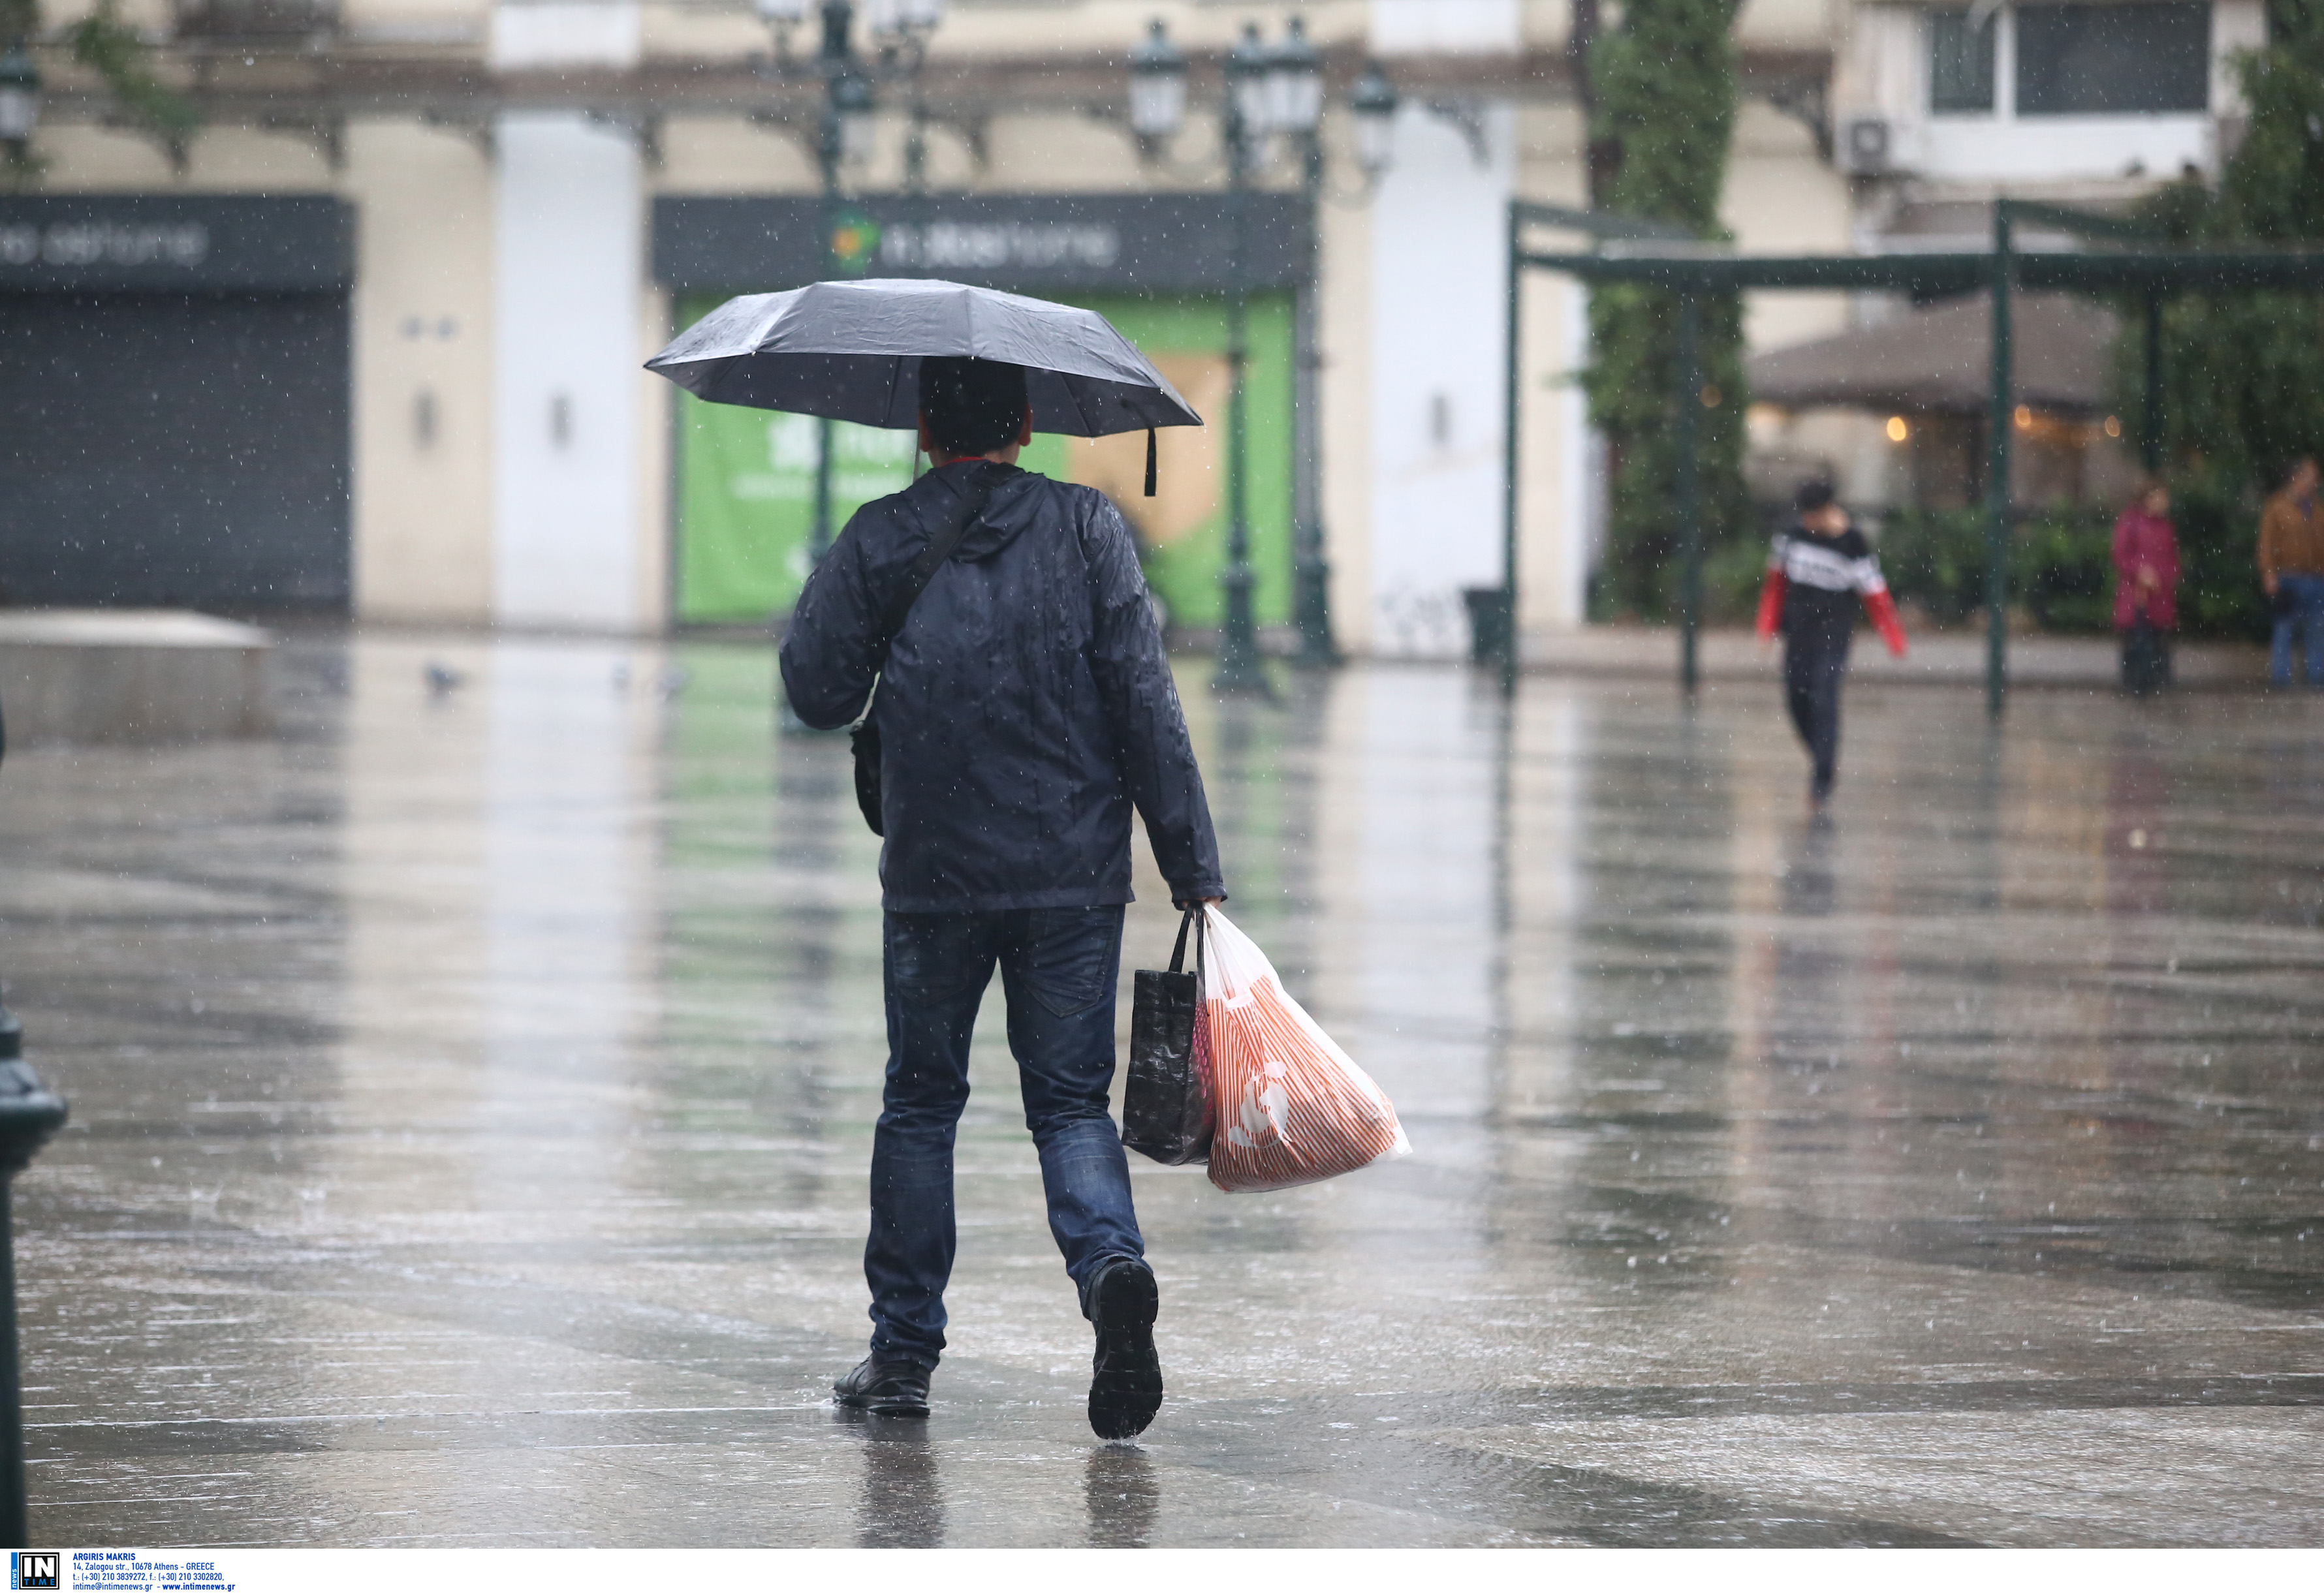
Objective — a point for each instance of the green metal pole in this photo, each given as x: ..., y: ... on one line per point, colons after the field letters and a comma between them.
x: 1239, y: 670
x: 1512, y: 454
x: 1690, y: 493
x: 1999, y: 424
x: 2150, y: 413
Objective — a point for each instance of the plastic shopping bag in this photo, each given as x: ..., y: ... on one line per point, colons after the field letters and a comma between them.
x: 1289, y: 1107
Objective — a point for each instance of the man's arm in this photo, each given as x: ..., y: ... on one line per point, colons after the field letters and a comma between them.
x: 827, y: 655
x: 1873, y: 588
x: 2267, y: 537
x: 1771, y: 594
x: 1141, y: 706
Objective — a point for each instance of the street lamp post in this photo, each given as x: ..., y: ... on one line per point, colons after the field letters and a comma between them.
x: 1248, y: 103
x: 1269, y: 91
x: 1297, y: 78
x: 845, y: 138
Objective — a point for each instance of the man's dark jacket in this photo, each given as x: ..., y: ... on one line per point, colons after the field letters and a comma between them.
x: 1025, y: 706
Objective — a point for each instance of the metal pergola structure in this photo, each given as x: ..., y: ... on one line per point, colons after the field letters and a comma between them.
x: 1636, y: 251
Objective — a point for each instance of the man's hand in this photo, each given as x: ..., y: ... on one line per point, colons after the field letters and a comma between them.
x: 2268, y: 582
x: 1182, y: 904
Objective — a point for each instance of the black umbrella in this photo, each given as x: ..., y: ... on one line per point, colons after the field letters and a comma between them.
x: 852, y: 352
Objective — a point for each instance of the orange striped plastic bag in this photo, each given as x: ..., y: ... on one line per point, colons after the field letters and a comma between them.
x: 1291, y: 1107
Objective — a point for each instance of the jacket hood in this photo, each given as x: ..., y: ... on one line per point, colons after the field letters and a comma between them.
x: 1015, y: 504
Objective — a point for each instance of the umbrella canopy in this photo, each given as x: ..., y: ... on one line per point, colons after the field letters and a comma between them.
x: 852, y: 352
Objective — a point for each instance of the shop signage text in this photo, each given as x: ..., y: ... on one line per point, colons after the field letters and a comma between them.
x: 170, y: 243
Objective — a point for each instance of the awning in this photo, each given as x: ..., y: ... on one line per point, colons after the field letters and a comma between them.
x: 1939, y: 359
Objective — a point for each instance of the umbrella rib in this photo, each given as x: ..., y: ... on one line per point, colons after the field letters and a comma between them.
x: 895, y: 380
x: 1085, y: 414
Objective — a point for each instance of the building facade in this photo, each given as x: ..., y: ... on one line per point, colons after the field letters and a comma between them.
x: 373, y: 332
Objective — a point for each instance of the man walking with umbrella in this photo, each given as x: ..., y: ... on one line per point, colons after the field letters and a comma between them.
x: 1023, y: 706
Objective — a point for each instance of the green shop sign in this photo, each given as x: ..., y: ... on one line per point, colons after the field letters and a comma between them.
x: 746, y: 478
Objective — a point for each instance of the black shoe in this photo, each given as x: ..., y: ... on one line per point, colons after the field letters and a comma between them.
x: 1126, y: 1376
x: 892, y: 1388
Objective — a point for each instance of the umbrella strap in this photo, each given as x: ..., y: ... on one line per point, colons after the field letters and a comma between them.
x: 1149, y: 462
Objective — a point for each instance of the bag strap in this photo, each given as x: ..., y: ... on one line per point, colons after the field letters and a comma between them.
x: 946, y: 537
x: 1196, y: 918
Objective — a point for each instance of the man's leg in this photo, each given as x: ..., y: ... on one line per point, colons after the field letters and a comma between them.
x: 1059, y: 966
x: 2279, y: 642
x: 1813, y: 665
x: 936, y: 967
x: 1798, y: 698
x: 1831, y: 674
x: 2311, y: 624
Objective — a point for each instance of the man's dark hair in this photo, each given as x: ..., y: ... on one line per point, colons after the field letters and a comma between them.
x: 1812, y: 496
x: 972, y: 406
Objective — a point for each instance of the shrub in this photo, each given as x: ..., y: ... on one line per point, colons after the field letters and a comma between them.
x: 2061, y: 566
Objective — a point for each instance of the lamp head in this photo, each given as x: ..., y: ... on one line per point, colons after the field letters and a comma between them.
x: 20, y: 95
x: 1374, y: 101
x: 1248, y: 94
x: 1294, y: 82
x: 851, y: 103
x: 1157, y: 85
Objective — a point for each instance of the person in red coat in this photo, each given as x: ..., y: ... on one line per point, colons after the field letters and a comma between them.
x: 2146, y: 587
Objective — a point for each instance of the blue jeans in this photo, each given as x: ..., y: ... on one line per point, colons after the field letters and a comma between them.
x: 1058, y: 967
x: 2303, y: 595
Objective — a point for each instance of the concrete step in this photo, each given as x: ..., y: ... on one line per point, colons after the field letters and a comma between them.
x: 131, y: 675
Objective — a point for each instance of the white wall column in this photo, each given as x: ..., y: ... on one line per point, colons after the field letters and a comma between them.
x: 567, y: 303
x: 1439, y: 325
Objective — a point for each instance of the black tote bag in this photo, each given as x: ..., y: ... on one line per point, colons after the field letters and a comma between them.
x: 1166, y: 1103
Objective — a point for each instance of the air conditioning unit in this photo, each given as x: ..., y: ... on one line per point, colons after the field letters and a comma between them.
x: 1866, y: 147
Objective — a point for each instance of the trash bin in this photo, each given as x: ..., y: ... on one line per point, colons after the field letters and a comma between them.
x: 1488, y: 623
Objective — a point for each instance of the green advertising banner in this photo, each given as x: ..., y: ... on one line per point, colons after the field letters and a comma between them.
x: 746, y: 478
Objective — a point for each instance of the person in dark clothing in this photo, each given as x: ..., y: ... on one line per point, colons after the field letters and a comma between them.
x: 1817, y: 571
x: 1025, y: 707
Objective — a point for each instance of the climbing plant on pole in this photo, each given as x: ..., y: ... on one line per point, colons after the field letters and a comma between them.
x: 101, y: 42
x: 2245, y: 372
x: 1664, y: 83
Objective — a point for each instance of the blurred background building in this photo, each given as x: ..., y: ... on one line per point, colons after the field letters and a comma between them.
x: 366, y: 336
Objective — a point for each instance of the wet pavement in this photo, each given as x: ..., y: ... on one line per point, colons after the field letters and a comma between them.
x: 473, y: 1089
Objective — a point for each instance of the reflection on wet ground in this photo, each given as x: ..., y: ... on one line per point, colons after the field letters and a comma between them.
x: 473, y: 1093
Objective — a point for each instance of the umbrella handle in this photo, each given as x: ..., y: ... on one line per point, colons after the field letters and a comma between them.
x: 1149, y: 462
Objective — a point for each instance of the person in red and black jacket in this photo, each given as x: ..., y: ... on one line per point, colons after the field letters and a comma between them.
x: 1817, y: 571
